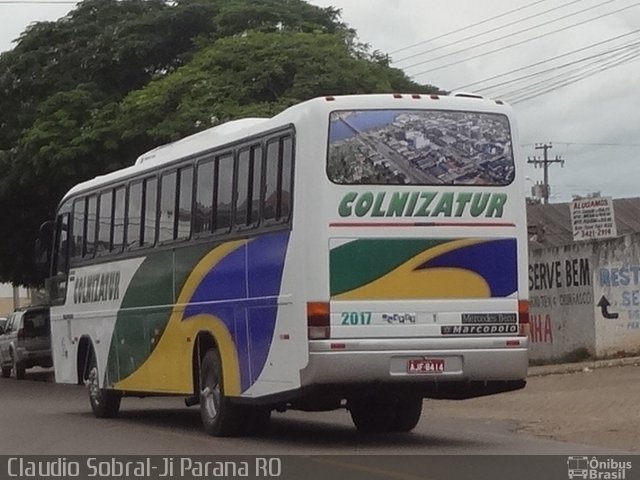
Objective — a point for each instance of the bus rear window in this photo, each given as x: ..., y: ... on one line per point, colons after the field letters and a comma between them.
x: 423, y: 147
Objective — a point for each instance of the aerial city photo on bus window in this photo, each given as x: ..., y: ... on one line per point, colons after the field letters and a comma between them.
x: 420, y: 147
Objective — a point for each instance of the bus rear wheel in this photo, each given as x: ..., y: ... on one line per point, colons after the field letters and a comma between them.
x: 104, y: 403
x: 385, y: 413
x: 220, y: 417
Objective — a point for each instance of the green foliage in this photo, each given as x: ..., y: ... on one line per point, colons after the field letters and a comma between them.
x: 87, y: 94
x: 239, y: 16
x: 256, y: 74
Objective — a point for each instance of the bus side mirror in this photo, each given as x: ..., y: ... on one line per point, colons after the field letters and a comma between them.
x: 42, y: 253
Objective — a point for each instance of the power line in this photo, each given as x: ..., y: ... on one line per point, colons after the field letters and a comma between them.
x: 551, y: 88
x: 544, y: 61
x: 524, y: 41
x: 595, y: 59
x: 558, y: 85
x: 471, y: 37
x: 535, y: 93
x: 562, y: 80
x: 510, y: 35
x: 467, y: 27
x: 598, y: 144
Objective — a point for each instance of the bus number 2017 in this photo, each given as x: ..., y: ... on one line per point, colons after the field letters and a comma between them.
x: 356, y: 318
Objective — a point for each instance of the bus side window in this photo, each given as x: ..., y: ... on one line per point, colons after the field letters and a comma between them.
x: 117, y: 241
x: 286, y: 146
x: 242, y: 188
x: 185, y: 197
x: 134, y: 214
x: 248, y: 183
x: 78, y: 228
x: 150, y: 211
x: 203, y: 214
x: 167, y: 206
x: 90, y: 231
x: 104, y: 222
x: 270, y: 207
x: 256, y: 184
x: 279, y: 164
x: 224, y: 192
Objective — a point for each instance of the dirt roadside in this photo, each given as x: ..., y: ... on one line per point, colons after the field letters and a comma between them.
x: 594, y: 404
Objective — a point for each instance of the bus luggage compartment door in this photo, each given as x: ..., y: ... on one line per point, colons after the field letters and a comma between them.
x: 428, y: 287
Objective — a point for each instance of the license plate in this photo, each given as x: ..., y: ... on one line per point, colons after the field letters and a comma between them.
x: 423, y: 365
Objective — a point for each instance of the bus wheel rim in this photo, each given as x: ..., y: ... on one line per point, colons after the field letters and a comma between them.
x: 211, y: 397
x: 94, y: 387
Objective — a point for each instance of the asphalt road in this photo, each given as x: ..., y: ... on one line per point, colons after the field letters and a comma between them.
x: 46, y: 418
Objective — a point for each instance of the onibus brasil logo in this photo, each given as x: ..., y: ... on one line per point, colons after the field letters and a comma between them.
x: 596, y: 469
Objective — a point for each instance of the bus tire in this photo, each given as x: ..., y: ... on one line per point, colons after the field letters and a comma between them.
x: 258, y: 420
x: 370, y: 414
x: 104, y: 403
x: 407, y: 413
x: 385, y: 413
x: 220, y: 418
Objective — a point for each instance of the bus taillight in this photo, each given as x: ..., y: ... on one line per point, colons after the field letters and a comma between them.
x: 318, y: 320
x: 523, y: 317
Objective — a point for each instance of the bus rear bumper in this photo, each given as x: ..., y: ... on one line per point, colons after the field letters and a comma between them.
x: 474, y: 367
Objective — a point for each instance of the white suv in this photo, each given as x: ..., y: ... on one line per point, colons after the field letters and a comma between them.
x: 25, y: 341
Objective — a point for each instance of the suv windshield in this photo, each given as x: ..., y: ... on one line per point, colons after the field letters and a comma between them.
x: 424, y: 147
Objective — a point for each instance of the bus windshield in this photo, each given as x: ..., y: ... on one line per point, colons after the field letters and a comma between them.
x: 424, y: 147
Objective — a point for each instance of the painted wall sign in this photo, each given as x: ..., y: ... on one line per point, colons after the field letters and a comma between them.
x: 561, y: 301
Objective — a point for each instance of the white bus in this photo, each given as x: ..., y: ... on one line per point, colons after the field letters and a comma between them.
x: 361, y: 251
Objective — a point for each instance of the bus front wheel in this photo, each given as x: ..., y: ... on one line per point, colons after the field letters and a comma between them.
x: 104, y: 403
x: 220, y: 417
x: 385, y: 413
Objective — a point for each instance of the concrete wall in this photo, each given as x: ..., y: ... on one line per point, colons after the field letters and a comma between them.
x: 561, y: 301
x: 6, y: 299
x: 6, y: 305
x: 585, y: 295
x: 617, y: 282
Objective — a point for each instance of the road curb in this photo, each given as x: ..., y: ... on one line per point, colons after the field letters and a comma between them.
x: 561, y: 368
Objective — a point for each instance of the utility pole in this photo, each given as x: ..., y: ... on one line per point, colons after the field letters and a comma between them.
x: 545, y: 162
x: 16, y: 297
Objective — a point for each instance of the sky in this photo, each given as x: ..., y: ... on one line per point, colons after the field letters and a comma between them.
x: 593, y: 123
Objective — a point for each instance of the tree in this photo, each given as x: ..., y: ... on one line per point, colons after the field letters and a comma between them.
x: 258, y: 74
x: 87, y: 94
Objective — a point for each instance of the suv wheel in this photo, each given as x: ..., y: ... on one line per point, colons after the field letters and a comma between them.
x: 18, y: 369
